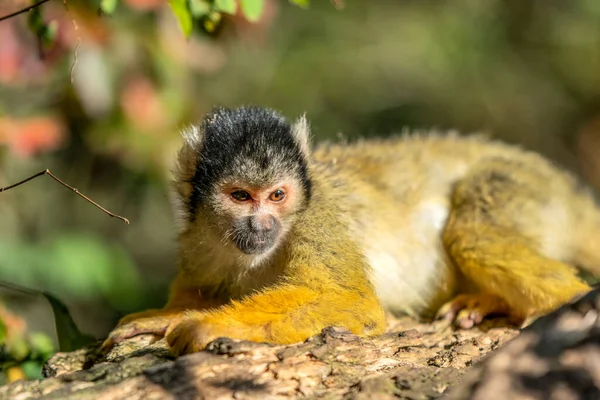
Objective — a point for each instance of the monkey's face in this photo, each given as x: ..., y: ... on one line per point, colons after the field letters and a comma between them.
x: 255, y: 219
x: 242, y: 179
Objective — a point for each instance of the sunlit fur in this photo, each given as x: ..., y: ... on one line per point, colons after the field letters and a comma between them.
x: 419, y: 223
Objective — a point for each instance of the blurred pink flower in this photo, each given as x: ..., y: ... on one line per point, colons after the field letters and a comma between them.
x: 145, y: 5
x: 142, y: 105
x: 10, y: 54
x: 26, y: 137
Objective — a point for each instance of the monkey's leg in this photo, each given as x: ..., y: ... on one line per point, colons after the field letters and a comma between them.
x: 156, y: 321
x: 493, y: 235
x: 284, y: 314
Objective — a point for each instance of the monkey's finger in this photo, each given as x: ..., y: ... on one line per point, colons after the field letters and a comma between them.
x: 107, y: 346
x: 110, y: 343
x: 447, y: 313
x: 189, y: 336
x: 449, y: 310
x: 128, y: 331
x: 178, y: 345
x: 467, y: 319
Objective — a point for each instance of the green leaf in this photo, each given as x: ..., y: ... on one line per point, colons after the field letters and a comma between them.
x: 199, y: 8
x: 226, y: 6
x: 212, y: 21
x: 18, y: 348
x: 69, y: 336
x: 41, y: 346
x: 108, y: 6
x: 32, y: 369
x: 35, y: 20
x: 2, y: 332
x: 49, y: 35
x: 183, y: 15
x: 46, y: 33
x: 252, y: 9
x: 301, y: 3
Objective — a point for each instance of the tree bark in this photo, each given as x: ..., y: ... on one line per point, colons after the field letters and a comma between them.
x: 557, y: 357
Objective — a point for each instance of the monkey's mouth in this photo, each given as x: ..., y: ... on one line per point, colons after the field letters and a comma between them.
x: 254, y: 246
x: 254, y: 238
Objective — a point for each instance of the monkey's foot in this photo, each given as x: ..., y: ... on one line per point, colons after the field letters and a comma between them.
x: 468, y: 310
x: 155, y: 322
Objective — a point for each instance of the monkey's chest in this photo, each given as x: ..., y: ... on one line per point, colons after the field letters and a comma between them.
x: 409, y: 267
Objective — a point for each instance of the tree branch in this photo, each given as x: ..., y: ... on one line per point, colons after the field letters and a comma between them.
x: 24, y: 10
x: 47, y: 172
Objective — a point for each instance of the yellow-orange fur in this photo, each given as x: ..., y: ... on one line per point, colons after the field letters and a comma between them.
x: 421, y: 224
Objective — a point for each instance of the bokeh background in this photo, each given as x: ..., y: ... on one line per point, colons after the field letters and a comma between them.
x: 103, y: 105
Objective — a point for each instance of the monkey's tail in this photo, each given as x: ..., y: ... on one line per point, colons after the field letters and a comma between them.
x: 587, y: 236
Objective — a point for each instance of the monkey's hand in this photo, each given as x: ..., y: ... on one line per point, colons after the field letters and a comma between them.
x: 155, y: 322
x: 285, y: 314
x: 195, y: 331
x: 185, y: 295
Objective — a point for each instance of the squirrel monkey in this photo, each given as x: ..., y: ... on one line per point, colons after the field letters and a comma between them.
x: 278, y: 242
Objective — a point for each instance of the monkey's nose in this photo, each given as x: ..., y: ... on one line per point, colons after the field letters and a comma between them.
x: 262, y: 223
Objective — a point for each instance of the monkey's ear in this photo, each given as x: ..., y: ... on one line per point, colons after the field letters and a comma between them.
x: 187, y: 160
x: 301, y: 132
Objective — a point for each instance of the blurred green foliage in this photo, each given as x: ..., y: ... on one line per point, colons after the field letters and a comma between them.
x: 105, y: 117
x: 92, y: 267
x: 210, y: 13
x: 45, y: 32
x: 22, y: 353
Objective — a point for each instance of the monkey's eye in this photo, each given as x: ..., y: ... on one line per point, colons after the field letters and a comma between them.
x: 241, y: 195
x: 277, y: 195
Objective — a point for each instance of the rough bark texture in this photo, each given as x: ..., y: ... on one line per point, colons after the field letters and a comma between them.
x: 558, y: 357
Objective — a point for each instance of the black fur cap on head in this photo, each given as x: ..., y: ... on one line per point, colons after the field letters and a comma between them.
x: 249, y: 144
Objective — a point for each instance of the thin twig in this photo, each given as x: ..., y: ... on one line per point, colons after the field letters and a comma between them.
x: 47, y: 172
x: 18, y: 288
x: 24, y: 10
x: 76, y: 51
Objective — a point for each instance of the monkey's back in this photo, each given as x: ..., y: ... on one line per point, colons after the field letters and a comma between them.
x: 398, y: 193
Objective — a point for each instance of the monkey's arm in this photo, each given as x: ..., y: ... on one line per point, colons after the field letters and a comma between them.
x: 183, y: 297
x: 283, y: 314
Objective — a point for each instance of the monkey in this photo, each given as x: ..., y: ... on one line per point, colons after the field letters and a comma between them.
x: 280, y: 239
